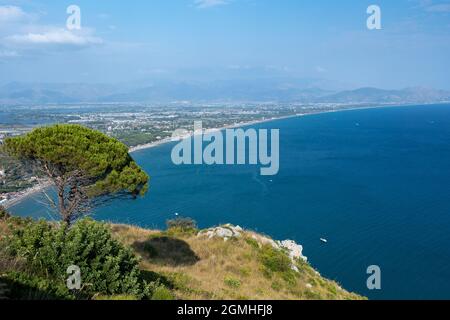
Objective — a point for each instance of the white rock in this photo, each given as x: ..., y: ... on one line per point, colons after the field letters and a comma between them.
x: 223, y: 232
x: 295, y: 250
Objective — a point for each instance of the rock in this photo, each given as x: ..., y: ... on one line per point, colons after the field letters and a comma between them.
x: 309, y: 285
x: 226, y: 232
x: 295, y: 250
x: 263, y: 240
x: 223, y: 232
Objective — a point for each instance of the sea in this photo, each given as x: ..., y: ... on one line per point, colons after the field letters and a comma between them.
x: 375, y: 183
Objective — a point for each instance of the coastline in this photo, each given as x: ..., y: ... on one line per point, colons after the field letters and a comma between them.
x: 22, y: 195
x: 255, y: 122
x: 232, y: 126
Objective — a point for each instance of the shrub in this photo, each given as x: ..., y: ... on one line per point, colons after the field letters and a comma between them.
x: 160, y: 292
x: 252, y: 242
x: 274, y: 260
x: 25, y: 286
x: 182, y: 223
x: 107, y: 267
x: 232, y: 283
x: 181, y: 226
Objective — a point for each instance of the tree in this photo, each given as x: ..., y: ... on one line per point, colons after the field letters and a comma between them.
x: 84, y: 165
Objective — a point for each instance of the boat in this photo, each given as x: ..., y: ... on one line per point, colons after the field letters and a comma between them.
x: 324, y: 240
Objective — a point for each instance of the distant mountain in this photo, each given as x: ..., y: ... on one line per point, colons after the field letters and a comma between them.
x: 166, y: 91
x: 374, y: 95
x: 219, y: 91
x: 32, y: 93
x: 260, y: 90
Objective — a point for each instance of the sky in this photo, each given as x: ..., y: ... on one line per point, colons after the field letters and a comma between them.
x: 209, y: 40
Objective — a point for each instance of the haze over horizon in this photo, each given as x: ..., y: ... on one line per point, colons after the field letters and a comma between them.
x: 227, y: 40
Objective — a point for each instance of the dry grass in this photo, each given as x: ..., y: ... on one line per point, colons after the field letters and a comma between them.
x: 201, y: 268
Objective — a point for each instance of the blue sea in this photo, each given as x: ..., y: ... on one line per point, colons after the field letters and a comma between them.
x: 374, y: 182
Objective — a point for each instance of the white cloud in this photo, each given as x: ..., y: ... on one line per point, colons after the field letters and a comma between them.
x: 54, y: 37
x: 11, y: 14
x: 202, y: 4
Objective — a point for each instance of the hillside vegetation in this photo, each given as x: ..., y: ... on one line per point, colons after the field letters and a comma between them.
x: 147, y: 264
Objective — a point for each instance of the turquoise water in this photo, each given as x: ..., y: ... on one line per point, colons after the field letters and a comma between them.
x: 375, y: 183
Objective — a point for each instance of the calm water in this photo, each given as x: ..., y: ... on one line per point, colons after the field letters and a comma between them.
x: 375, y: 183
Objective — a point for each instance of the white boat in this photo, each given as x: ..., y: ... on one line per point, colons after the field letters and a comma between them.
x: 324, y: 240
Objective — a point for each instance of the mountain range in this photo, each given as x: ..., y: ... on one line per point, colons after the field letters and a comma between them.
x: 273, y: 90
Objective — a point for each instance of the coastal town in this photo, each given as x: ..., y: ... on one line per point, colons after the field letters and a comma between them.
x: 138, y: 126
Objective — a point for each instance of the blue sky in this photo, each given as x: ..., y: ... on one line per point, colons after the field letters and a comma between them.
x: 226, y: 39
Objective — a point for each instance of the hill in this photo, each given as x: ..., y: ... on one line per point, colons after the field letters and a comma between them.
x: 261, y: 90
x: 214, y: 264
x: 375, y: 96
x: 220, y: 263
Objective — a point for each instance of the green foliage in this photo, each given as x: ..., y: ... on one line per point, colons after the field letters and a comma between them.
x: 107, y: 267
x: 73, y: 148
x: 183, y: 223
x: 3, y: 213
x: 181, y: 226
x: 274, y: 260
x: 25, y: 286
x: 252, y: 242
x: 232, y: 282
x: 116, y: 298
x: 160, y: 292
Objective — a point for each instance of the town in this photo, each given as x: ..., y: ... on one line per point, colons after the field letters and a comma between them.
x: 136, y: 125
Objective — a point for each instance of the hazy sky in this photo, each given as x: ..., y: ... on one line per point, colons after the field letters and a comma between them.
x: 224, y: 39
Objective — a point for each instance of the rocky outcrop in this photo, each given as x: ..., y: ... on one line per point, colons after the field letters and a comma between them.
x: 225, y: 232
x: 228, y: 231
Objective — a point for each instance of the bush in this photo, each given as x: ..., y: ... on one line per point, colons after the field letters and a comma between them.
x: 275, y: 260
x: 160, y: 292
x: 25, y: 286
x: 107, y: 267
x: 180, y: 226
x: 232, y: 283
x: 182, y: 223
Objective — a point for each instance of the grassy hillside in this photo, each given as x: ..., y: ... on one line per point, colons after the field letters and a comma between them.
x: 241, y: 268
x: 179, y: 263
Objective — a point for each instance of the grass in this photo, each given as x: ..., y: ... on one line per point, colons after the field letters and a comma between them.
x: 185, y: 266
x: 202, y: 268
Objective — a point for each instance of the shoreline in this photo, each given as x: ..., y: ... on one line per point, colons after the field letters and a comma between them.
x: 255, y: 122
x: 22, y: 195
x: 231, y: 126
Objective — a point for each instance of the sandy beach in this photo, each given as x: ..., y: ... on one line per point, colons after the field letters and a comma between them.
x: 246, y: 124
x: 17, y: 197
x: 233, y: 126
